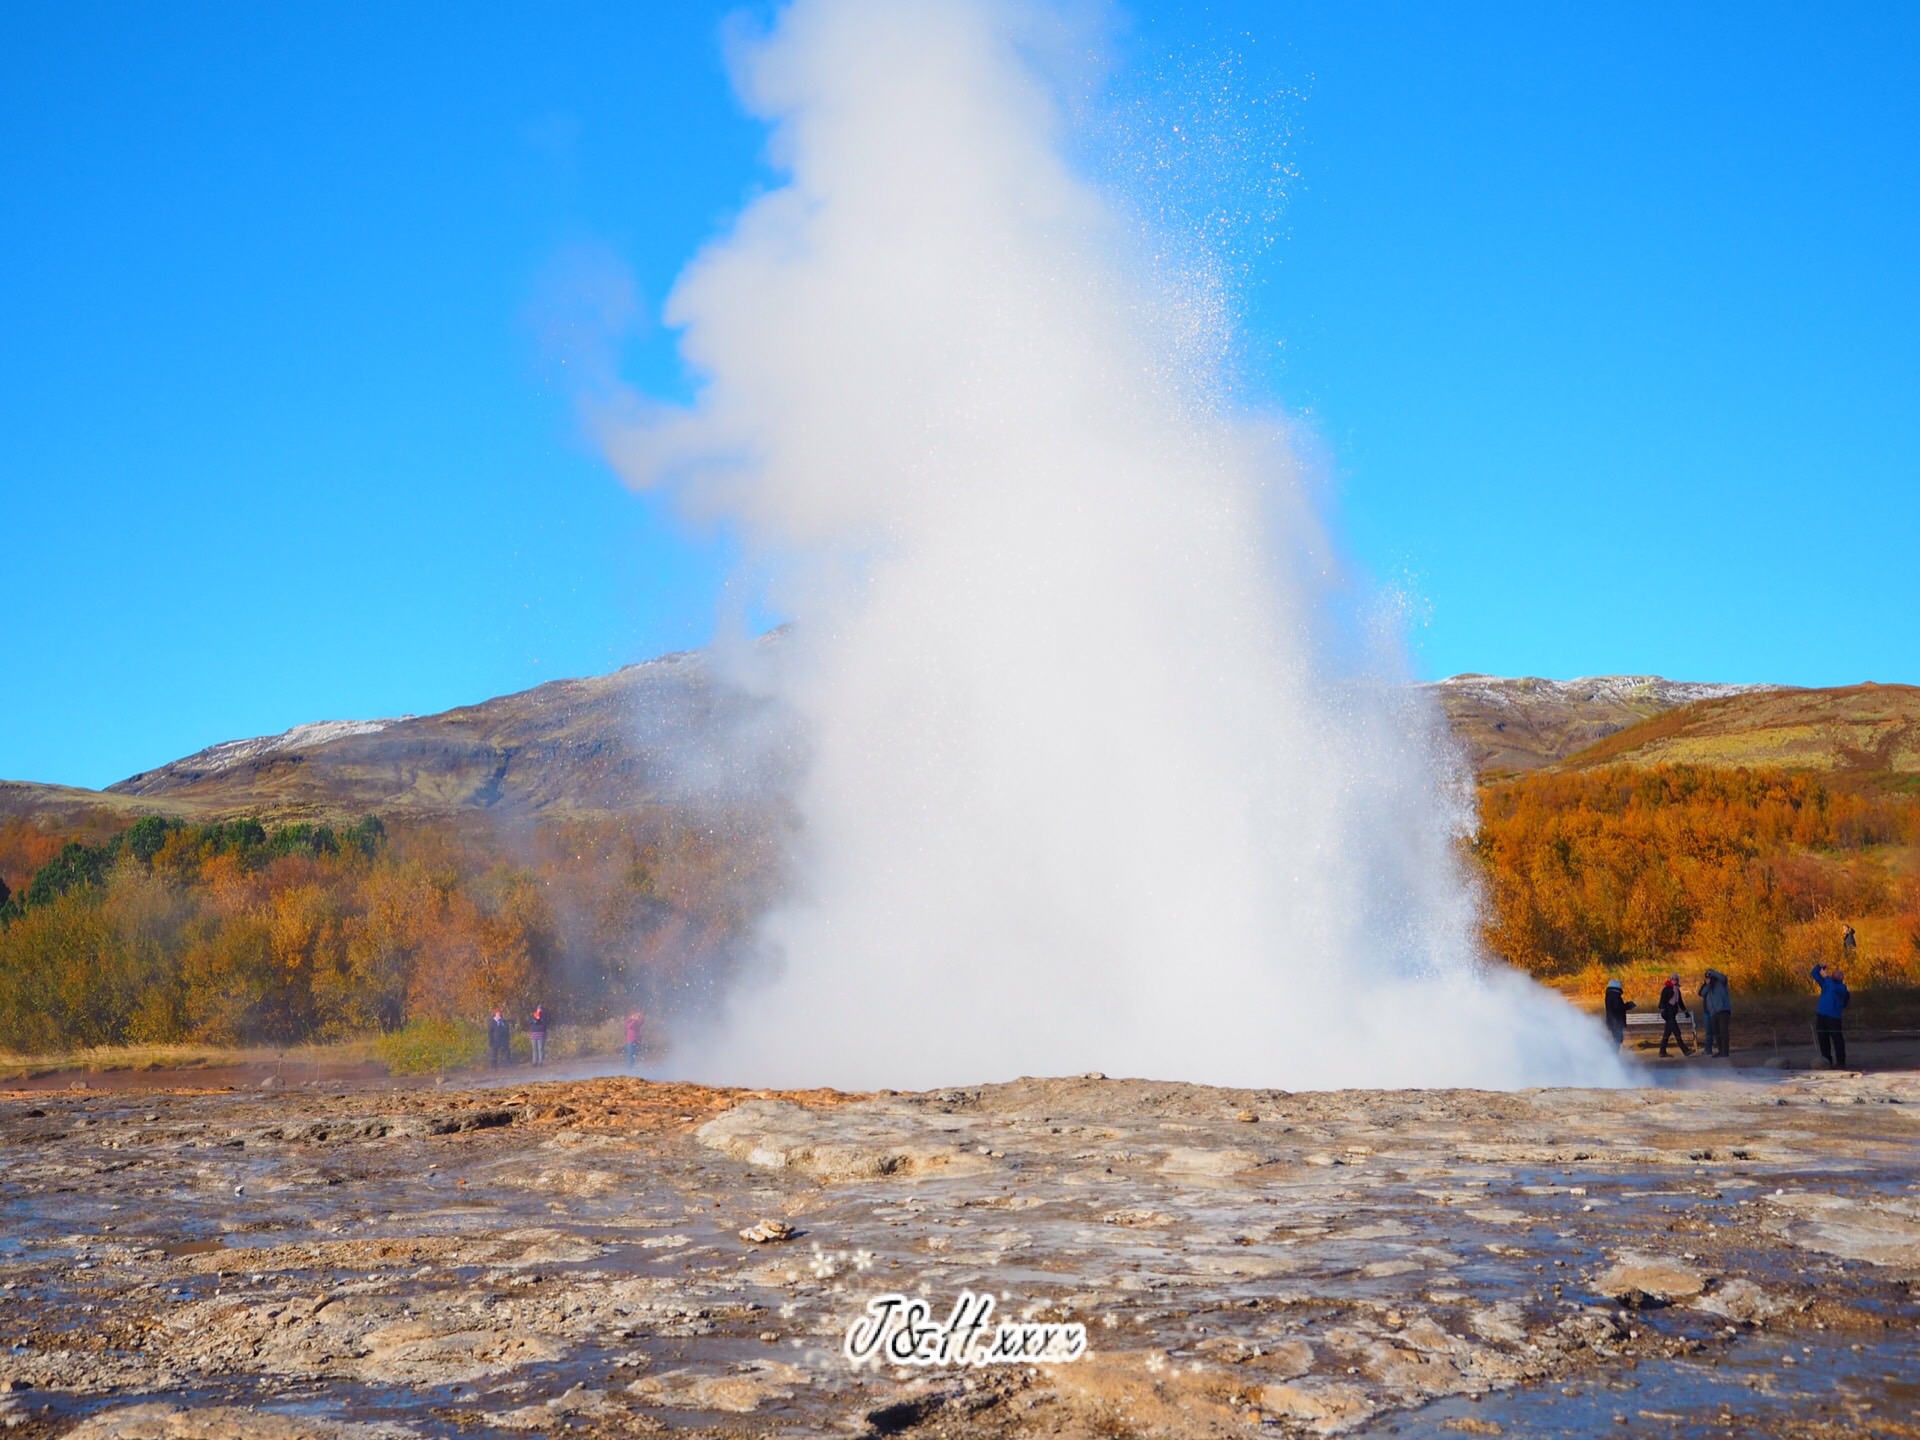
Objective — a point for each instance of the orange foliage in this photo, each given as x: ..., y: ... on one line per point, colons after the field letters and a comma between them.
x: 24, y: 848
x: 224, y: 935
x: 1755, y: 871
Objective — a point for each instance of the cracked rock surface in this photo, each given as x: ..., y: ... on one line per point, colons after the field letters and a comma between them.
x: 566, y: 1259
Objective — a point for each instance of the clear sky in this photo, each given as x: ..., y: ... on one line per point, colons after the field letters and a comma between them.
x: 1606, y: 320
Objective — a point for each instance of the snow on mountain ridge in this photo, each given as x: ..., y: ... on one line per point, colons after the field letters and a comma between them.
x: 1621, y: 689
x: 1525, y: 720
x: 229, y: 753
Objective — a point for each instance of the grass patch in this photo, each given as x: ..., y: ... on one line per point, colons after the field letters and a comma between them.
x: 107, y: 1059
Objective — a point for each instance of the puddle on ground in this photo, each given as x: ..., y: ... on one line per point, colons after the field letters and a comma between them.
x: 1756, y: 1386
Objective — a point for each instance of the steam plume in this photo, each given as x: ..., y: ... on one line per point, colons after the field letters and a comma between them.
x: 1090, y: 786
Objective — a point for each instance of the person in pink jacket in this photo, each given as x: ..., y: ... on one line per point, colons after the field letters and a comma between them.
x: 537, y: 1033
x: 634, y: 1021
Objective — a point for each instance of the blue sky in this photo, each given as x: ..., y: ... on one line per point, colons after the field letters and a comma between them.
x: 1605, y: 318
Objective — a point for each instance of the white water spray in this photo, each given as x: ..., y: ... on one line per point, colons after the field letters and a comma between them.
x: 1090, y: 786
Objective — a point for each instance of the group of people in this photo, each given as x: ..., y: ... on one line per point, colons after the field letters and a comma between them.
x: 1716, y: 1009
x: 500, y: 1036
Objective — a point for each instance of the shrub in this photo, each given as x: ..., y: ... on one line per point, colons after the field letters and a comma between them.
x: 429, y: 1047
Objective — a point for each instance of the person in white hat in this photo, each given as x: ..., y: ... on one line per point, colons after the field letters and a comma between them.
x: 1617, y: 1007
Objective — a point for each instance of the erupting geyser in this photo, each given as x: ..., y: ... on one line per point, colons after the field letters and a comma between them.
x: 1088, y: 785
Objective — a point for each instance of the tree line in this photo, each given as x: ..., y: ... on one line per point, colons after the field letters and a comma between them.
x: 1755, y: 872
x: 233, y: 932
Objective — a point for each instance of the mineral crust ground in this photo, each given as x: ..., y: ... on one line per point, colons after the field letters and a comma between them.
x: 1737, y: 1257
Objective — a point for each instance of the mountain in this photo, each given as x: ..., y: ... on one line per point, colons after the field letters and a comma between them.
x: 1857, y: 731
x: 1523, y: 724
x: 665, y: 732
x: 675, y: 731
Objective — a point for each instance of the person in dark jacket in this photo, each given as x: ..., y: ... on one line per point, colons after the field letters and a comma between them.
x: 1672, y: 1006
x: 537, y: 1033
x: 1716, y: 1004
x: 1617, y: 1007
x: 1826, y: 1016
x: 499, y: 1040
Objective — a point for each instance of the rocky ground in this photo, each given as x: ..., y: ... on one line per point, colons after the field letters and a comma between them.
x: 1741, y: 1257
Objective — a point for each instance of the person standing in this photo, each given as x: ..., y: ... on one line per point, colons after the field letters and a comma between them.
x: 1672, y: 1006
x: 1716, y: 1004
x: 1617, y: 1007
x: 1827, y: 1028
x: 537, y: 1033
x: 499, y: 1040
x: 634, y: 1021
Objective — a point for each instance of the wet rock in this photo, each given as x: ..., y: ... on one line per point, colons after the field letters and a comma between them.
x: 1880, y: 1231
x: 1134, y: 1394
x: 1198, y: 1162
x: 1327, y: 1407
x: 420, y: 1352
x: 553, y: 1416
x: 1501, y: 1323
x: 1639, y: 1279
x: 225, y: 1422
x: 736, y: 1393
x: 1137, y: 1215
x: 835, y: 1146
x: 1287, y: 1359
x: 1498, y: 1215
x: 1741, y: 1301
x: 767, y: 1232
x: 1592, y: 1328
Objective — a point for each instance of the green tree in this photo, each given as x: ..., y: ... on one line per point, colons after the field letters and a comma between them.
x: 144, y: 837
x: 304, y: 839
x: 76, y: 866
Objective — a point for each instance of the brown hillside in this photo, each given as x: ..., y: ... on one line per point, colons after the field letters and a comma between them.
x: 1508, y: 726
x: 67, y: 809
x: 1856, y: 731
x: 673, y: 732
x: 665, y: 732
x: 659, y: 732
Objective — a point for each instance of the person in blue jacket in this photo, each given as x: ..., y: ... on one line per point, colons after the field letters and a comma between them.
x: 1716, y: 1002
x: 1826, y: 1016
